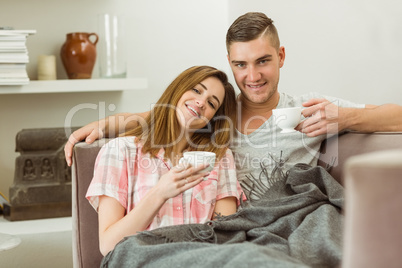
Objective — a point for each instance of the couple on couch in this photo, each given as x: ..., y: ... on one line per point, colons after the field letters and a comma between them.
x: 265, y: 159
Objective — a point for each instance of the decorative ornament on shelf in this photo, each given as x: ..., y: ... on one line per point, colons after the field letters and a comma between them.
x: 112, y: 46
x: 47, y: 67
x: 78, y: 55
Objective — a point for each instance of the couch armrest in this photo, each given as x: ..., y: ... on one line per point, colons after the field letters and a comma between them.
x: 342, y: 147
x: 85, y: 219
x: 373, y: 205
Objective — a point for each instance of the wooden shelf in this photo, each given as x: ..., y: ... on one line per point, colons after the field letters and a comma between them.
x: 76, y: 85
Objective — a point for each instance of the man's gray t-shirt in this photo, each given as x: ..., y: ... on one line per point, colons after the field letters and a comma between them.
x: 266, y: 154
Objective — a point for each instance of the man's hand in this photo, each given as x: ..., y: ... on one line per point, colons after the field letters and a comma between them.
x: 89, y: 133
x: 107, y: 127
x: 322, y: 116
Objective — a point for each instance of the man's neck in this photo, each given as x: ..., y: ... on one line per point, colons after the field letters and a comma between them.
x: 253, y: 115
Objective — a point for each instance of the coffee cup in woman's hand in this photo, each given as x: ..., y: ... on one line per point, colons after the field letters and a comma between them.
x: 198, y: 158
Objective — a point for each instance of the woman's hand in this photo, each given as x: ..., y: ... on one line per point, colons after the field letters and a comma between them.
x: 179, y: 179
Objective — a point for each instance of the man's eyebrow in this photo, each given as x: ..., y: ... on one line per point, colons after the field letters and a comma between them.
x: 238, y: 62
x: 215, y: 97
x: 267, y: 56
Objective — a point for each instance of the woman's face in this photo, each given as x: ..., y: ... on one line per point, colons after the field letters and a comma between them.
x: 198, y: 105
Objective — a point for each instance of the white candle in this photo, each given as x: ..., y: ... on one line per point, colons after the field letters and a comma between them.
x: 47, y: 67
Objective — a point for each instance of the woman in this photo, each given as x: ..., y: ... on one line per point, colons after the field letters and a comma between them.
x: 138, y: 182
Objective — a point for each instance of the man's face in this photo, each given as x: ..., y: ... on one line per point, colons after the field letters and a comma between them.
x: 255, y: 66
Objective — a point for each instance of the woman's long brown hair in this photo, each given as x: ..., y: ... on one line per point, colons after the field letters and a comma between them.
x: 162, y: 129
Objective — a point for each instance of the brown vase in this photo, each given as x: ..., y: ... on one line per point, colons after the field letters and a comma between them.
x: 78, y: 55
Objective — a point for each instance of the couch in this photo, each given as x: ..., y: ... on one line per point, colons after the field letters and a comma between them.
x: 337, y: 150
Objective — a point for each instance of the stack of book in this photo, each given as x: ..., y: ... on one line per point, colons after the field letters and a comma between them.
x: 14, y: 57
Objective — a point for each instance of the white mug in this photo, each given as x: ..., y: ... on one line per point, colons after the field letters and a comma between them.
x: 197, y: 158
x: 287, y: 118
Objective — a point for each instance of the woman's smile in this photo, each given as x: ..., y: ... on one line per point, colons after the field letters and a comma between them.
x: 194, y: 110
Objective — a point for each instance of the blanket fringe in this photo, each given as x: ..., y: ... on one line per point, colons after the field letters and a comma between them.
x: 190, y: 233
x: 207, y: 235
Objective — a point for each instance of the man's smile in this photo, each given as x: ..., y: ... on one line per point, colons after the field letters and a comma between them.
x: 256, y: 86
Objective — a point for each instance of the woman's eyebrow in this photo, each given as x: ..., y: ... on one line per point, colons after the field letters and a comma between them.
x: 215, y: 97
x: 203, y: 86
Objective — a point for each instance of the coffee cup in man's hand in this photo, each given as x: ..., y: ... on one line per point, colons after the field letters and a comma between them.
x: 287, y: 118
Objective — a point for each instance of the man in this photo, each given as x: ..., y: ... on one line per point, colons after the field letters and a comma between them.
x: 262, y: 153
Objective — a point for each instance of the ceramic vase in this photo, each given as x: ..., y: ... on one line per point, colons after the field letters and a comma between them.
x: 78, y: 55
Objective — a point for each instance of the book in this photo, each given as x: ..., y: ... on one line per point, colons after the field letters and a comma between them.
x: 7, y: 73
x: 17, y: 32
x: 14, y: 81
x: 12, y: 66
x: 13, y: 49
x: 14, y: 56
x: 12, y: 44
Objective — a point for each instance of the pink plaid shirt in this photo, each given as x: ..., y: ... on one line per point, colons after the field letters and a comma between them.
x: 123, y: 172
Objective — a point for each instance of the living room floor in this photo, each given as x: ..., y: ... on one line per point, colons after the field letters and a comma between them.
x: 44, y: 243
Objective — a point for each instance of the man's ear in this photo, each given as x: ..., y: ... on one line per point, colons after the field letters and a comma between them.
x: 281, y: 55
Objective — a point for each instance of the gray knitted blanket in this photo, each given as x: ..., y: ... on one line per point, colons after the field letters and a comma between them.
x: 293, y: 224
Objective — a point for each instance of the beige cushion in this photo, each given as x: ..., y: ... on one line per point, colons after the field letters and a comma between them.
x: 373, y: 210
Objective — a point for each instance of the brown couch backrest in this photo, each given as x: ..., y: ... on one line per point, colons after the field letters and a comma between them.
x: 86, y: 252
x: 349, y: 144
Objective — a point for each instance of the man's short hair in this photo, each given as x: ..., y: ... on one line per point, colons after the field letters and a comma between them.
x: 251, y: 26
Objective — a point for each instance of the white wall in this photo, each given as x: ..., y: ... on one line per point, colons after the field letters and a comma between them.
x: 344, y: 48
